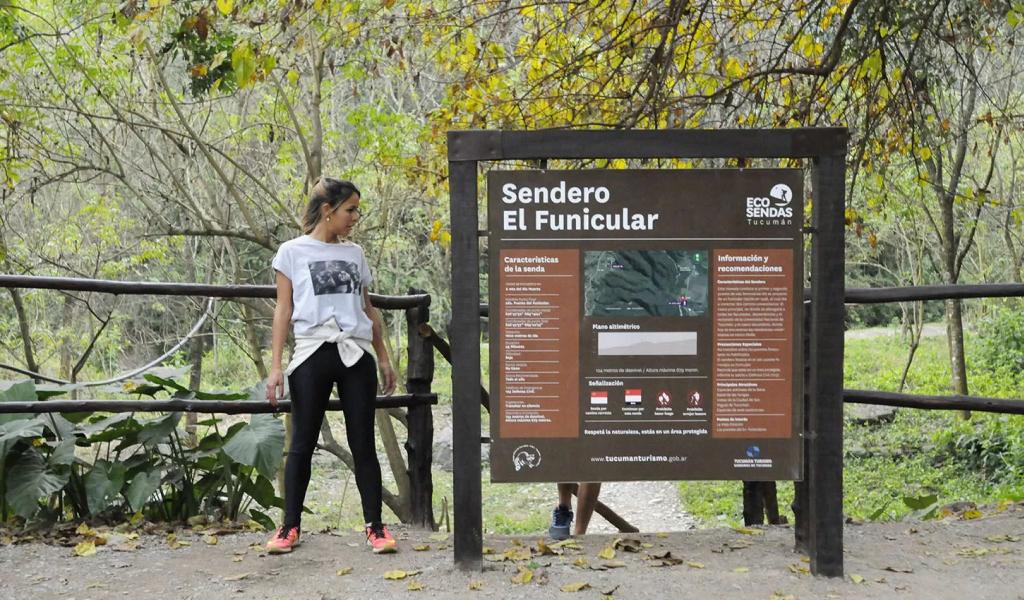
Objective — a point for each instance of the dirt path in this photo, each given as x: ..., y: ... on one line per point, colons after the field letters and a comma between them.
x: 981, y: 558
x: 648, y: 505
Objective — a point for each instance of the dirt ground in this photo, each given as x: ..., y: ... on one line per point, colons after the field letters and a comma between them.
x: 953, y: 558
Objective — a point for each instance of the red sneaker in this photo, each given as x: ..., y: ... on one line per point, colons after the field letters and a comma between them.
x: 284, y: 540
x: 379, y: 538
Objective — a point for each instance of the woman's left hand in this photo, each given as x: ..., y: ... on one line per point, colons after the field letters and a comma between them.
x: 387, y: 378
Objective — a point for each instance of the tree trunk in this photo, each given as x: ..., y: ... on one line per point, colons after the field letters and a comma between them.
x: 26, y: 331
x: 955, y: 334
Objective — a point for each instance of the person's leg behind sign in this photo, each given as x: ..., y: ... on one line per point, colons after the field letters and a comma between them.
x: 562, y: 517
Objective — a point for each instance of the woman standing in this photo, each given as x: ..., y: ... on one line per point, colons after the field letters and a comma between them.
x: 322, y: 281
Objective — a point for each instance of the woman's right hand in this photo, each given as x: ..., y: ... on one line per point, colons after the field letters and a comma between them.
x: 275, y: 386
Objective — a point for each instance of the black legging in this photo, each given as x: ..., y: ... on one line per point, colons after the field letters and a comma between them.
x: 310, y: 386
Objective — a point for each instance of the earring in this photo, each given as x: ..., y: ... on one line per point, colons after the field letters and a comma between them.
x: 328, y: 219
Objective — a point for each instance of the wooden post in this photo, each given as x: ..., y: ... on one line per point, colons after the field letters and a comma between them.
x: 799, y: 505
x: 465, y: 362
x: 825, y: 410
x: 420, y: 440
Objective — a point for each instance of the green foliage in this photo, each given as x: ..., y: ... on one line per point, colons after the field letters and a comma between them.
x: 1000, y: 336
x: 140, y: 465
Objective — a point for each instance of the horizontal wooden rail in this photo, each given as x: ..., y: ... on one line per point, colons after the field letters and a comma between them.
x: 955, y: 402
x: 182, y: 289
x: 197, y: 406
x: 932, y: 292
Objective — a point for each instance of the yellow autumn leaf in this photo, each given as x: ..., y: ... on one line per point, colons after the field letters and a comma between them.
x: 856, y: 578
x: 293, y: 76
x: 85, y: 549
x: 476, y: 585
x: 695, y: 564
x: 225, y: 6
x: 741, y: 570
x: 924, y: 153
x: 85, y: 530
x: 396, y: 574
x: 210, y: 540
x: 748, y: 531
x: 580, y: 562
x: 343, y: 571
x: 421, y: 547
x: 607, y: 553
x: 414, y: 586
x: 575, y: 586
x: 972, y: 514
x: 524, y: 576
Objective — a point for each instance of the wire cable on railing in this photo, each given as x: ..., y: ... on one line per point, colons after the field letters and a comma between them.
x: 188, y: 336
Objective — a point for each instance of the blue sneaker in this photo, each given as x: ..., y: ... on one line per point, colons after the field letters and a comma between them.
x: 561, y: 520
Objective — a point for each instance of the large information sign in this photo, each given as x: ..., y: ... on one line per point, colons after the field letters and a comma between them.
x: 644, y: 324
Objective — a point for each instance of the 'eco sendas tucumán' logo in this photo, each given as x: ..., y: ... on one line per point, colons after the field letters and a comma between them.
x: 775, y: 209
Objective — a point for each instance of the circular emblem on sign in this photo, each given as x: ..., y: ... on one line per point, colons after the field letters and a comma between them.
x: 782, y: 194
x: 664, y: 399
x: 695, y: 399
x: 526, y: 457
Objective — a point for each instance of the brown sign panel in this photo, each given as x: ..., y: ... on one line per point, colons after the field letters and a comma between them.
x: 644, y: 324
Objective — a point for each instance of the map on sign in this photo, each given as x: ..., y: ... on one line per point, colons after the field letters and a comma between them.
x: 657, y: 283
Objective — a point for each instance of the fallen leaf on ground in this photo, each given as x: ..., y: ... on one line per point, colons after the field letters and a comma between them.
x: 857, y: 578
x: 607, y: 553
x: 575, y: 586
x: 665, y: 559
x: 738, y: 544
x: 899, y: 569
x: 580, y: 562
x: 661, y: 534
x: 567, y: 544
x: 476, y: 585
x: 781, y: 596
x: 240, y: 576
x: 85, y: 530
x: 544, y: 550
x: 971, y: 514
x: 628, y: 544
x: 524, y: 576
x: 238, y: 559
x: 799, y: 569
x: 421, y: 547
x: 613, y: 564
x: 398, y: 574
x: 1003, y: 538
x: 414, y: 586
x: 85, y: 549
x: 741, y: 570
x: 695, y: 564
x: 973, y: 552
x: 210, y: 540
x: 748, y: 531
x: 343, y: 571
x: 518, y: 554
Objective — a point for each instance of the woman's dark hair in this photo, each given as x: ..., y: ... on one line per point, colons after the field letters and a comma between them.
x: 326, y: 189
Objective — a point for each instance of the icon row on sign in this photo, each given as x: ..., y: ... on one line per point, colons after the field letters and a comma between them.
x: 633, y: 397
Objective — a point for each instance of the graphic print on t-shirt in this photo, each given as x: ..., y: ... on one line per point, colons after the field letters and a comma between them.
x: 335, y: 277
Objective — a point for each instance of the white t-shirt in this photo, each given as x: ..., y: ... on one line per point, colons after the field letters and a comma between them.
x: 327, y: 282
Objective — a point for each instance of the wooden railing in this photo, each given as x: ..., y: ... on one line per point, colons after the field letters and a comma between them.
x: 419, y: 373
